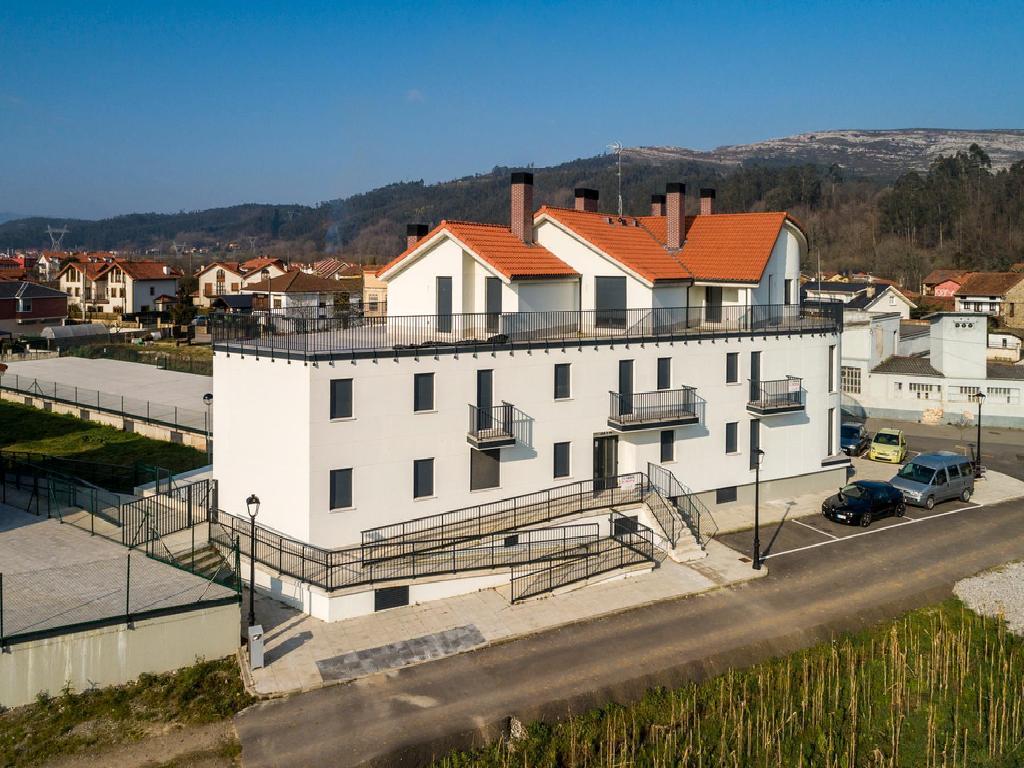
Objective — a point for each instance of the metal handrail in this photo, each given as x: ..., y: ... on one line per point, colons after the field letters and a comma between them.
x: 497, y: 422
x: 324, y: 330
x: 661, y: 405
x: 691, y: 510
x: 777, y: 393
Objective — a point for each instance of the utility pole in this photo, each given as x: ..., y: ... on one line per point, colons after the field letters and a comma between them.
x: 56, y: 236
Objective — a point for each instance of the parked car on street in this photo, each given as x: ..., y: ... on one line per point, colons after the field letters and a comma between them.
x: 862, y: 501
x: 888, y: 445
x: 854, y: 439
x: 934, y: 477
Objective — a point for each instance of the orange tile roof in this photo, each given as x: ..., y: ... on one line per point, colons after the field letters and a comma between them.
x: 144, y: 270
x: 721, y: 247
x: 498, y: 247
x: 259, y: 262
x: 626, y: 239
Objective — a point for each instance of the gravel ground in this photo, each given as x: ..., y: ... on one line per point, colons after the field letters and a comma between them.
x: 1000, y: 591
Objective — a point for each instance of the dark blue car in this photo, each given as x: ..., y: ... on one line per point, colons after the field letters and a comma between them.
x: 854, y: 439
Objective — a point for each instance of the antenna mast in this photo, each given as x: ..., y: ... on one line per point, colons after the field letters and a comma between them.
x: 57, y: 236
x: 616, y: 147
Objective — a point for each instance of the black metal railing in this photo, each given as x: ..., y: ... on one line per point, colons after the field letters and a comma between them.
x: 668, y: 406
x: 147, y: 518
x: 776, y: 396
x: 694, y: 514
x: 322, y: 330
x: 122, y: 478
x: 405, y: 538
x: 498, y: 425
x: 631, y: 543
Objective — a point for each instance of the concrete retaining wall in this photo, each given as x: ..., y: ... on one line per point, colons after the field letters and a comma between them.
x: 124, y: 423
x: 115, y: 654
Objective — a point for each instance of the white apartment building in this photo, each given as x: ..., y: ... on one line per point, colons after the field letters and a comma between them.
x: 574, y: 355
x: 938, y: 385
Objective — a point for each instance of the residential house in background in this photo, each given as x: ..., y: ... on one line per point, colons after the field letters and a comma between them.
x: 986, y: 292
x: 26, y: 308
x: 81, y: 281
x: 375, y: 292
x: 225, y: 278
x: 295, y: 289
x: 570, y: 361
x: 48, y: 264
x: 1013, y: 308
x: 138, y: 286
x: 943, y: 282
x: 861, y: 297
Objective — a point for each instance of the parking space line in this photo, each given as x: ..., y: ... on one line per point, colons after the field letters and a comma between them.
x: 816, y: 530
x: 908, y: 521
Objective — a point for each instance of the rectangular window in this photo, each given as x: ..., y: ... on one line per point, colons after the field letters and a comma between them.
x: 732, y: 367
x: 849, y: 379
x: 422, y: 478
x: 443, y: 300
x: 341, y: 488
x: 831, y: 431
x: 832, y: 368
x: 732, y: 430
x: 562, y: 460
x: 390, y: 597
x: 423, y: 392
x: 664, y: 373
x: 341, y: 398
x: 668, y: 445
x: 610, y: 302
x: 484, y: 469
x: 755, y: 441
x: 788, y: 288
x: 562, y: 381
x: 925, y: 391
x: 725, y: 495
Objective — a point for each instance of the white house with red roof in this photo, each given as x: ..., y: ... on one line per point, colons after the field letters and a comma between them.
x: 523, y: 381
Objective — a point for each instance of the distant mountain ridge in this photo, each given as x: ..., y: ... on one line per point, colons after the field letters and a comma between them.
x: 371, y: 224
x: 883, y: 153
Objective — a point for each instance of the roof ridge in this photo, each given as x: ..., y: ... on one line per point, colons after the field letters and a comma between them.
x: 445, y: 222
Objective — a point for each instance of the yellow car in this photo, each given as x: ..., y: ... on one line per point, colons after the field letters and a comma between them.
x: 888, y: 445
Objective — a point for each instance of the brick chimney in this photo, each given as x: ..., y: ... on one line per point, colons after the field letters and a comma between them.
x: 522, y: 206
x: 675, y: 198
x: 707, y: 201
x: 586, y: 199
x: 414, y: 233
x: 657, y: 205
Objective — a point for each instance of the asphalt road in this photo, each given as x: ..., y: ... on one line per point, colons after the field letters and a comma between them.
x: 846, y: 582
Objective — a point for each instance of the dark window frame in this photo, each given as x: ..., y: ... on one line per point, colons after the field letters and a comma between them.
x: 417, y: 405
x: 664, y: 373
x: 417, y: 491
x: 726, y: 495
x: 567, y: 446
x: 667, y: 447
x: 566, y: 367
x: 476, y: 466
x: 337, y: 402
x: 732, y: 437
x: 333, y: 500
x: 732, y: 372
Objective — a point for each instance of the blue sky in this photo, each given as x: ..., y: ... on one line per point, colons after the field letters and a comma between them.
x: 109, y: 108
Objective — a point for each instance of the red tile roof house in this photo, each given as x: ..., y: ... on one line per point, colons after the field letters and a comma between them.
x: 134, y: 286
x: 944, y: 282
x: 226, y: 278
x: 986, y: 292
x: 26, y: 308
x: 300, y: 289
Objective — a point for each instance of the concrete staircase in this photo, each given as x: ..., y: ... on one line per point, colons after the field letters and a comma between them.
x: 206, y: 561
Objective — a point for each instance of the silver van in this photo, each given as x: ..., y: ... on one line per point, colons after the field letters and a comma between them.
x: 930, y: 478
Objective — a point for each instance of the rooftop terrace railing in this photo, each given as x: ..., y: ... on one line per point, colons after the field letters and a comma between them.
x: 313, y: 331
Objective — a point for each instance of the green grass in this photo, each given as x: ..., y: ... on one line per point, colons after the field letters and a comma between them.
x: 73, y: 723
x: 23, y: 428
x: 938, y: 687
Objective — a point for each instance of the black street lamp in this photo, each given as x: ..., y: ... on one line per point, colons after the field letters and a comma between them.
x: 253, y: 505
x: 980, y: 397
x: 758, y: 456
x: 208, y: 399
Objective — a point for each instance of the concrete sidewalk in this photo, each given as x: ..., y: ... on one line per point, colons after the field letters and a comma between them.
x: 994, y: 488
x: 303, y: 653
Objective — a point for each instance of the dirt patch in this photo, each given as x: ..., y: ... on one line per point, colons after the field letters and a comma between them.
x: 203, y: 746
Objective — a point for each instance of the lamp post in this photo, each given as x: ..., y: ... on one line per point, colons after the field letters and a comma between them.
x: 208, y: 399
x: 265, y: 274
x: 758, y: 456
x: 253, y: 505
x: 980, y: 397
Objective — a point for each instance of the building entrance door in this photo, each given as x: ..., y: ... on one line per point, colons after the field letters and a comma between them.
x: 606, y: 462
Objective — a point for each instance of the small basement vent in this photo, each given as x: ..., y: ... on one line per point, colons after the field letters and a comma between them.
x: 390, y: 597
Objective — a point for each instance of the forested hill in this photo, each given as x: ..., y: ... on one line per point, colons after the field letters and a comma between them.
x: 959, y: 211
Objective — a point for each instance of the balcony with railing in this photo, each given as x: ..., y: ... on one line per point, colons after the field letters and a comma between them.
x: 655, y: 410
x: 329, y: 332
x: 778, y: 396
x: 497, y: 426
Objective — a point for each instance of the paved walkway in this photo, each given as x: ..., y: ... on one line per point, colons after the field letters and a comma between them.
x: 995, y: 487
x: 304, y: 653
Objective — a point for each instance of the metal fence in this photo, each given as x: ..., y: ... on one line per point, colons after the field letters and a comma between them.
x: 132, y: 354
x: 184, y: 419
x: 681, y: 404
x: 319, y: 330
x: 686, y: 503
x: 631, y: 543
x: 115, y: 590
x: 502, y: 422
x: 147, y: 518
x: 120, y: 478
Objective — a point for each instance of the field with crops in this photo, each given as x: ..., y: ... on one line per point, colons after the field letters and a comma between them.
x: 940, y: 687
